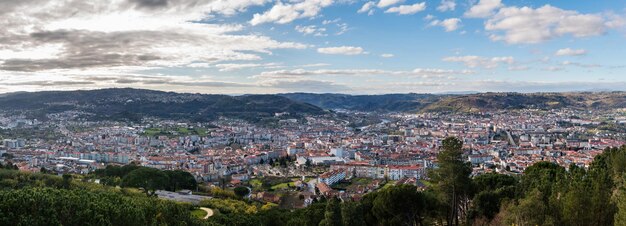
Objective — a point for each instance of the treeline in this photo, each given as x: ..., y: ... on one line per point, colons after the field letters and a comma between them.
x: 146, y: 178
x: 546, y: 194
x: 39, y: 199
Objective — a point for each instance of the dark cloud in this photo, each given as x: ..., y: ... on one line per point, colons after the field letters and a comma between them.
x: 86, y: 49
x: 150, y: 3
x: 49, y: 83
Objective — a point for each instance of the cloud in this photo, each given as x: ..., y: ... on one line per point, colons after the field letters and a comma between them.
x: 151, y: 3
x: 234, y: 67
x: 518, y: 68
x: 446, y: 5
x: 450, y: 24
x: 418, y: 72
x: 367, y: 8
x: 282, y: 13
x: 80, y: 35
x: 407, y: 9
x: 569, y: 63
x: 483, y: 9
x: 49, y: 83
x: 570, y: 52
x: 477, y: 61
x: 342, y: 50
x: 315, y: 86
x: 527, y: 25
x: 553, y: 68
x: 387, y: 3
x: 387, y: 55
x: 311, y: 30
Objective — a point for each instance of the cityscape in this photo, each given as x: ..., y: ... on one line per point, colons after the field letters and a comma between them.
x: 312, y: 113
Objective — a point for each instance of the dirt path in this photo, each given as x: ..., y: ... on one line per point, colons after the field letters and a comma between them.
x: 209, y: 212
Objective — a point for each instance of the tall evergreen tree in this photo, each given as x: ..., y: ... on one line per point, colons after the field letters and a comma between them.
x: 452, y: 180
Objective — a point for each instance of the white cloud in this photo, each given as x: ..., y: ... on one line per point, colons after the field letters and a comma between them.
x: 311, y: 30
x: 387, y: 3
x: 342, y: 50
x: 527, y: 25
x: 387, y: 55
x: 234, y: 67
x: 282, y: 13
x: 477, y: 61
x: 450, y: 24
x: 569, y: 63
x: 570, y: 52
x: 447, y: 5
x: 518, y: 68
x: 418, y: 72
x: 407, y: 9
x: 367, y: 7
x: 483, y: 9
x: 553, y: 68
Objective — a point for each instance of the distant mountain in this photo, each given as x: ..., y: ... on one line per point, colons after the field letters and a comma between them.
x: 497, y: 101
x: 124, y: 104
x: 386, y: 102
x: 463, y: 103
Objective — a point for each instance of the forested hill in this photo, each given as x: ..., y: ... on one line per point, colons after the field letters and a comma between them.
x: 137, y: 103
x: 385, y: 102
x: 463, y: 103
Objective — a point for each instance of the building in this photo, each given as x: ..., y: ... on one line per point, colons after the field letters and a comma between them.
x: 332, y: 176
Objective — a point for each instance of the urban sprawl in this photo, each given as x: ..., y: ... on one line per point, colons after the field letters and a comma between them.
x: 312, y: 156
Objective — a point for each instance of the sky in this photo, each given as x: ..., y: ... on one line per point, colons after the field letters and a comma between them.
x: 319, y: 46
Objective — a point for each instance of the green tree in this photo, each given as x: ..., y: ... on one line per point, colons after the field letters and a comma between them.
x: 149, y: 179
x: 241, y: 191
x: 352, y: 213
x: 179, y: 179
x: 531, y: 210
x: 452, y: 180
x: 399, y: 205
x: 332, y: 215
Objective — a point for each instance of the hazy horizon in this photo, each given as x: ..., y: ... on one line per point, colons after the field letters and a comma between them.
x: 313, y: 46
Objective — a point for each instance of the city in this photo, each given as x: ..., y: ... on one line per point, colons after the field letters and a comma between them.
x: 324, y: 157
x: 312, y: 113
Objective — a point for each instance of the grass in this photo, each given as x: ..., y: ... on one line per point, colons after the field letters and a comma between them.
x: 256, y: 183
x: 199, y: 213
x: 283, y: 185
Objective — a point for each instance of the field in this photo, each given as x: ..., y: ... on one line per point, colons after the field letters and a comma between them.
x: 198, y: 213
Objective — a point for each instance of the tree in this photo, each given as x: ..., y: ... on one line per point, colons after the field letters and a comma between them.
x: 352, y: 213
x: 179, y: 179
x: 332, y: 215
x: 491, y: 189
x: 399, y: 205
x: 149, y: 179
x: 452, y: 180
x: 241, y: 191
x: 531, y: 210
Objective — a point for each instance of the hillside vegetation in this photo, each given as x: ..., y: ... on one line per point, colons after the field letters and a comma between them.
x: 134, y: 104
x: 463, y: 103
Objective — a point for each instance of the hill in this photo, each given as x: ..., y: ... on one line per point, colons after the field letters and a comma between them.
x: 463, y: 103
x: 385, y: 102
x: 125, y: 104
